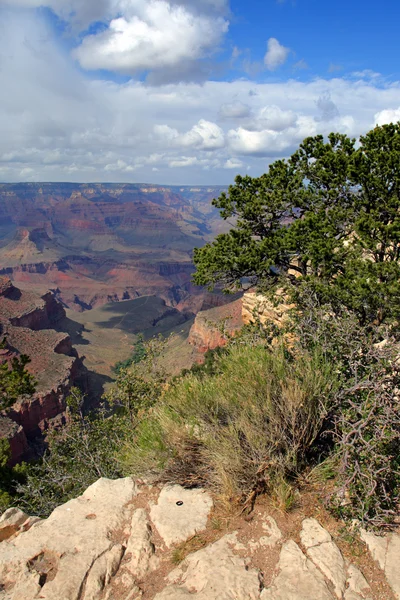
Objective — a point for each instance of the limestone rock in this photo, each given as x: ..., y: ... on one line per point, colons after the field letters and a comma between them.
x: 358, y: 587
x: 10, y: 522
x: 257, y: 307
x: 298, y: 578
x: 386, y: 551
x: 273, y: 532
x: 62, y: 550
x: 213, y: 573
x: 101, y: 572
x: 140, y: 549
x: 324, y: 553
x: 177, y: 522
x: 377, y: 545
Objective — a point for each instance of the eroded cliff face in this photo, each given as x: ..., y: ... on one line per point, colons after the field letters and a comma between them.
x: 212, y: 328
x: 28, y: 322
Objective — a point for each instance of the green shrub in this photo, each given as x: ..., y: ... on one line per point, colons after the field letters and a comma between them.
x: 138, y: 355
x: 15, y: 380
x: 77, y: 456
x: 241, y: 429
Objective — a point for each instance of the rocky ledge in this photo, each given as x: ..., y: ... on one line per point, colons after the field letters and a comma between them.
x: 125, y: 540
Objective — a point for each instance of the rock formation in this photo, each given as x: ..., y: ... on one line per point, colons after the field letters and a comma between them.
x: 122, y: 540
x: 28, y: 322
x: 212, y: 328
x: 257, y: 308
x: 98, y: 243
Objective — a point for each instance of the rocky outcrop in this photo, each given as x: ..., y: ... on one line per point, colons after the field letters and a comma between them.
x: 11, y: 522
x: 256, y: 308
x: 179, y: 514
x: 27, y: 324
x: 214, y: 327
x: 386, y: 551
x: 214, y: 573
x: 16, y: 437
x: 120, y: 540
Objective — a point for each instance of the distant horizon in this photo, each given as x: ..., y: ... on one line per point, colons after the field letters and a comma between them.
x: 149, y: 183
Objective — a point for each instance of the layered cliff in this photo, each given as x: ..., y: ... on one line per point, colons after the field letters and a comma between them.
x: 96, y: 243
x: 30, y: 324
x: 212, y: 328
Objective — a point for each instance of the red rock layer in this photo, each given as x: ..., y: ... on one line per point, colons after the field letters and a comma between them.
x: 212, y: 328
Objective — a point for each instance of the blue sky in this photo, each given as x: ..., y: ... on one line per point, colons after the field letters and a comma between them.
x: 186, y: 91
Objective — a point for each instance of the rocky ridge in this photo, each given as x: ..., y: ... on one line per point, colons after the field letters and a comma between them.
x: 122, y: 540
x: 31, y: 325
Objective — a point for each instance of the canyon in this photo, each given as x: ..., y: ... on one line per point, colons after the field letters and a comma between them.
x: 97, y: 243
x: 84, y: 269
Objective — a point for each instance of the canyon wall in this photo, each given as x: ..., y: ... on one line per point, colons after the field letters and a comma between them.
x: 28, y: 324
x: 97, y: 243
x: 214, y: 327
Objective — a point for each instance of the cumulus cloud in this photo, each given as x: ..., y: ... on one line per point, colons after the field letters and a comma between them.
x: 152, y: 34
x: 270, y: 142
x: 276, y: 54
x: 205, y: 135
x: 273, y: 118
x: 165, y: 38
x: 57, y: 124
x: 233, y: 163
x: 389, y: 115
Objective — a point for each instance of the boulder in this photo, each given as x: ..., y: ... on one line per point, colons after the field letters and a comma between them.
x: 180, y: 513
x: 324, y: 553
x: 357, y: 586
x: 297, y: 579
x: 386, y: 551
x: 10, y: 522
x: 140, y: 550
x: 71, y: 555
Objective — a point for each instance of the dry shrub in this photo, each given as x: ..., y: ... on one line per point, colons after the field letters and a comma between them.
x: 241, y: 430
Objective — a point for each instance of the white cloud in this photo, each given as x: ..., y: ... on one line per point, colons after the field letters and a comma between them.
x: 205, y: 135
x: 366, y: 74
x: 389, y: 115
x: 234, y: 110
x: 276, y: 54
x: 120, y: 166
x: 274, y: 118
x: 80, y: 13
x: 233, y: 163
x: 151, y: 35
x: 57, y: 124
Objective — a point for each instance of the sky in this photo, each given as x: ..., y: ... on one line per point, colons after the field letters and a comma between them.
x: 187, y: 91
